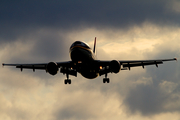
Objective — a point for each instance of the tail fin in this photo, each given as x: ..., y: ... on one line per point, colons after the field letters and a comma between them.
x: 94, y: 50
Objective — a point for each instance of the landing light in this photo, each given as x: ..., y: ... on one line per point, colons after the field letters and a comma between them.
x: 79, y: 61
x: 100, y: 67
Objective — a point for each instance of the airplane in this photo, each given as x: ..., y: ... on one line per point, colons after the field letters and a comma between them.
x: 83, y: 61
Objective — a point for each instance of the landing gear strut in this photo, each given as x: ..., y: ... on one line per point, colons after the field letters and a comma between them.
x: 68, y: 71
x: 67, y: 80
x: 106, y: 79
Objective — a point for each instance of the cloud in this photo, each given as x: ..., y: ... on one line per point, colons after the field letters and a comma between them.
x: 142, y: 92
x: 42, y: 31
x: 20, y: 16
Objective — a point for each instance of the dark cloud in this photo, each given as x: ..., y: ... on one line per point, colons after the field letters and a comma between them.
x: 152, y: 99
x: 19, y: 18
x: 75, y: 14
x: 144, y: 99
x: 49, y: 45
x: 162, y: 95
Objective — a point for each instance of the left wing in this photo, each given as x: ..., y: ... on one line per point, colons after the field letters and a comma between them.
x: 136, y: 63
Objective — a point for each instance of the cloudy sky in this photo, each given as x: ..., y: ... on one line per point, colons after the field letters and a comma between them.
x: 41, y: 31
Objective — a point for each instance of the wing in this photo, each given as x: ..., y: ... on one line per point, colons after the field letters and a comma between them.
x: 127, y: 64
x: 39, y: 66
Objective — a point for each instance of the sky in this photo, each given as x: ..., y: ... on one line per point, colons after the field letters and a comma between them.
x: 41, y: 31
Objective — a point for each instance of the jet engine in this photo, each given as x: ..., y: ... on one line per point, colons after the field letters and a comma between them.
x: 115, y: 66
x: 52, y: 68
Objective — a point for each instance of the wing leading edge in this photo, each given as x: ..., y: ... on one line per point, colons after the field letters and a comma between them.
x: 38, y: 66
x: 127, y: 64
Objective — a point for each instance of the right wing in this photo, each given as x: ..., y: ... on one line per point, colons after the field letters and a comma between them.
x: 38, y: 66
x: 135, y: 63
x: 127, y: 64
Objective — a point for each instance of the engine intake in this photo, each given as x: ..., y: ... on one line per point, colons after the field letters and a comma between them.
x: 52, y: 68
x: 115, y: 66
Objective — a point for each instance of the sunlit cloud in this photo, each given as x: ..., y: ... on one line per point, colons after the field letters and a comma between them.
x: 48, y: 95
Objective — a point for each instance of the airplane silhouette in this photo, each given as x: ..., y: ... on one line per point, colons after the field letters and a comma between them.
x: 83, y: 61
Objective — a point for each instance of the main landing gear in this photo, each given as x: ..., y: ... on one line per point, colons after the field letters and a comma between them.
x: 106, y: 79
x: 68, y: 71
x: 67, y: 81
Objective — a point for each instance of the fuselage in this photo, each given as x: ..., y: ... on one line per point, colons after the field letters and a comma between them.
x: 84, y: 59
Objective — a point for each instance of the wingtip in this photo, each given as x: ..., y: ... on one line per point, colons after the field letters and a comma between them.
x: 175, y: 59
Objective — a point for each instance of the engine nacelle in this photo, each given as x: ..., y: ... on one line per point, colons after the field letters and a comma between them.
x: 52, y: 68
x: 115, y: 66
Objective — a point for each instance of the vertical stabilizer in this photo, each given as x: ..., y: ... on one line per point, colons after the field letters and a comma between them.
x: 94, y: 50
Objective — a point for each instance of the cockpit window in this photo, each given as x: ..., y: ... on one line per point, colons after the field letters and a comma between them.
x: 79, y: 43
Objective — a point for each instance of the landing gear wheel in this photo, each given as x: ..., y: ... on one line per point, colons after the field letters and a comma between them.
x: 67, y: 81
x: 106, y: 80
